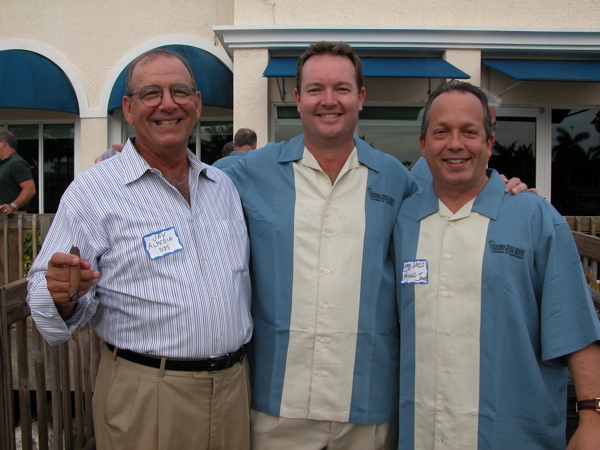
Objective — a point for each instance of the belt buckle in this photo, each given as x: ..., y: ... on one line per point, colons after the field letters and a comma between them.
x: 214, y: 360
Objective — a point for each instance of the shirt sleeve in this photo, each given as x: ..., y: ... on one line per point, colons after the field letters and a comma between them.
x: 21, y: 171
x: 568, y: 318
x: 66, y: 231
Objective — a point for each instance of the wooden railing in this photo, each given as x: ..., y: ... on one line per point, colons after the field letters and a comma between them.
x: 584, y: 224
x: 60, y: 378
x: 19, y: 224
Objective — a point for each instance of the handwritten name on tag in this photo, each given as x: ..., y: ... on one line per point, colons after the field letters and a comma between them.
x: 162, y: 243
x: 414, y: 272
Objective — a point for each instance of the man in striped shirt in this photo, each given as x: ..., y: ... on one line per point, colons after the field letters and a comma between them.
x: 167, y: 284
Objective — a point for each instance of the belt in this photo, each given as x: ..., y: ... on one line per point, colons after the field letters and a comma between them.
x: 213, y: 364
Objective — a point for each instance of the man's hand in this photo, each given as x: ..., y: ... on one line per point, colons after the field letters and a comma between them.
x: 587, y: 435
x: 515, y: 186
x: 58, y: 277
x: 6, y: 209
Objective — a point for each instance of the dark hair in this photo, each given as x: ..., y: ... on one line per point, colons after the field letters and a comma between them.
x: 10, y: 139
x: 330, y: 48
x: 460, y: 86
x: 227, y: 149
x: 148, y: 56
x: 244, y: 136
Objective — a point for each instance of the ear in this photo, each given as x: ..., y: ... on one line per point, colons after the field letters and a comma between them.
x: 422, y: 145
x: 297, y: 97
x: 198, y: 103
x: 126, y: 102
x: 361, y: 98
x: 490, y: 146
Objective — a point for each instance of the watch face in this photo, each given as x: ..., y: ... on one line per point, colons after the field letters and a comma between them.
x: 14, y: 205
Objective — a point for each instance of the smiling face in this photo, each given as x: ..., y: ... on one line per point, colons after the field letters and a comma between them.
x: 455, y: 145
x: 167, y: 126
x: 329, y: 101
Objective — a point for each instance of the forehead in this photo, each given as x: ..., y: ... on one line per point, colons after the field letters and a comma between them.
x: 328, y: 67
x: 160, y: 68
x: 456, y: 105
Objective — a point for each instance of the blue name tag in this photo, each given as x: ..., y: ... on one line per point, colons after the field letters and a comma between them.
x: 414, y: 272
x: 162, y: 243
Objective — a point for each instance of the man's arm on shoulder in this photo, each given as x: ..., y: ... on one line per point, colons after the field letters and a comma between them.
x: 585, y: 369
x: 516, y: 186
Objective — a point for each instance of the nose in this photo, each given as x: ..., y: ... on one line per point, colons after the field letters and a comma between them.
x: 455, y: 141
x: 167, y: 101
x: 329, y: 98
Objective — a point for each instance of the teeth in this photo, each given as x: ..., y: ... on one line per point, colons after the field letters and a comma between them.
x: 166, y: 123
x: 329, y: 116
x: 456, y: 161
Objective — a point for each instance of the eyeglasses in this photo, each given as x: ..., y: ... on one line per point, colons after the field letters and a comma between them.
x: 152, y: 95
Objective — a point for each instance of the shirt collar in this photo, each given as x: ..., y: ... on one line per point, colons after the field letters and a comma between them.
x: 135, y: 166
x: 487, y: 202
x: 294, y: 151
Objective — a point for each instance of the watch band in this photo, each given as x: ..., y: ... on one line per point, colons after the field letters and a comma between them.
x: 593, y: 403
x: 14, y: 206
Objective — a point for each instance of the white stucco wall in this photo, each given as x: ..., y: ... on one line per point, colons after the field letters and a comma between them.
x: 250, y: 103
x: 515, y: 13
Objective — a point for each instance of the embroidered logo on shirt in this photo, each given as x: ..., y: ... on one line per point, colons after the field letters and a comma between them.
x: 380, y: 197
x: 515, y: 252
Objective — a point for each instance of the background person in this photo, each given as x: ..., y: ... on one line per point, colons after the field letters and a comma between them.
x: 17, y: 188
x: 244, y: 140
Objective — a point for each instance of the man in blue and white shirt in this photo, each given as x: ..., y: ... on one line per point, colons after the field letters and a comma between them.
x: 167, y: 284
x: 493, y: 304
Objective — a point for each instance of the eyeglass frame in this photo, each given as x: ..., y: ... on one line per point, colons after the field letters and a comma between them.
x: 162, y: 93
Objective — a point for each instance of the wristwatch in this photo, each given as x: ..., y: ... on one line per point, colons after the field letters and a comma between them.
x: 593, y: 403
x: 14, y: 206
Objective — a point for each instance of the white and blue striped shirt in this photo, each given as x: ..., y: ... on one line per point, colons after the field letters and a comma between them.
x: 174, y: 278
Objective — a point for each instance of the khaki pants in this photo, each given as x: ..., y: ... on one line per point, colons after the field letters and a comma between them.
x: 139, y: 407
x: 270, y: 432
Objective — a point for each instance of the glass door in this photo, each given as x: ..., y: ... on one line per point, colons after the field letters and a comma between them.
x: 521, y: 148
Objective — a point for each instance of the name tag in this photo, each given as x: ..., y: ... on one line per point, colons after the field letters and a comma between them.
x: 414, y: 272
x: 162, y: 243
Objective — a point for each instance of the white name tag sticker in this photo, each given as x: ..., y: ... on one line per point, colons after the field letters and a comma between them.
x: 162, y: 243
x: 414, y: 272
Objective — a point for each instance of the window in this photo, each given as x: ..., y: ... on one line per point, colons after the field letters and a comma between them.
x: 576, y: 161
x: 50, y: 159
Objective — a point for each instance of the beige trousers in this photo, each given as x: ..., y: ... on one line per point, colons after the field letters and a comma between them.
x: 139, y: 407
x: 270, y: 432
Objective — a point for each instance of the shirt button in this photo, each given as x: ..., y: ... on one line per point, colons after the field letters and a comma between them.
x: 451, y: 223
x: 204, y: 258
x: 326, y: 270
x: 325, y: 306
x: 219, y: 337
x: 327, y: 235
x: 448, y: 256
x: 444, y: 294
x: 213, y: 296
